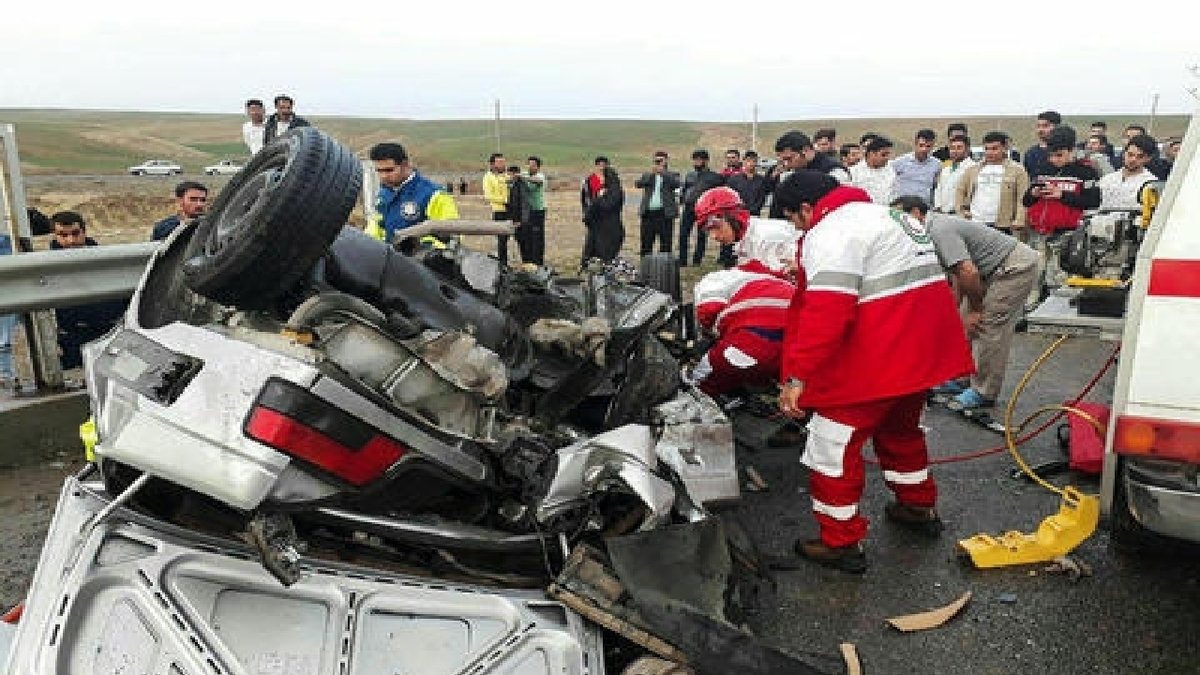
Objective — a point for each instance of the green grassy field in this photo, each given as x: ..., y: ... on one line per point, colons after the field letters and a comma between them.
x: 104, y: 142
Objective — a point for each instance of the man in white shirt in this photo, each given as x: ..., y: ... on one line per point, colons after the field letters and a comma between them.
x: 253, y: 128
x: 1119, y: 189
x: 875, y: 173
x: 959, y: 160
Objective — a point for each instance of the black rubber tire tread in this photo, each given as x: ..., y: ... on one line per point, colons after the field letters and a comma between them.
x: 288, y: 226
x: 660, y: 271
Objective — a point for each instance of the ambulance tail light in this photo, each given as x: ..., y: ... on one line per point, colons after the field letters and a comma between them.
x: 1157, y: 439
x: 294, y: 421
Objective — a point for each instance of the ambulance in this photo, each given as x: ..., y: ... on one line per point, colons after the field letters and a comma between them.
x: 1150, y: 488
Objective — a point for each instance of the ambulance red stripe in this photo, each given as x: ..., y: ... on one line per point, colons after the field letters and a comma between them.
x: 1175, y: 278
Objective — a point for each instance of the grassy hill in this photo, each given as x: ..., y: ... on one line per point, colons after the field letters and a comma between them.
x: 106, y: 142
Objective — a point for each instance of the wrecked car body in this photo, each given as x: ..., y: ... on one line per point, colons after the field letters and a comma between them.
x: 317, y: 453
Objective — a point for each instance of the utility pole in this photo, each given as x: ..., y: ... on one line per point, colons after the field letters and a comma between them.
x: 754, y: 130
x: 1153, y: 114
x: 497, y: 125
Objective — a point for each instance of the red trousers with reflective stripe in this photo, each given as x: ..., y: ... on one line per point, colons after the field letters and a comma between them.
x: 893, y: 427
x: 731, y: 371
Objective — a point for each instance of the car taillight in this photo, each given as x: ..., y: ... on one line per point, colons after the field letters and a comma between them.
x: 294, y: 421
x: 1160, y: 439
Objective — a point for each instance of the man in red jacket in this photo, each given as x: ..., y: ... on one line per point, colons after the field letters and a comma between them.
x: 872, y: 327
x: 1060, y: 190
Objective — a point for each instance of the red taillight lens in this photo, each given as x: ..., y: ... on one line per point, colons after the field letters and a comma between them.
x: 1156, y: 438
x: 292, y: 420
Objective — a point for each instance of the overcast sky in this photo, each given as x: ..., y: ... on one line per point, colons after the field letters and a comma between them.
x: 452, y: 59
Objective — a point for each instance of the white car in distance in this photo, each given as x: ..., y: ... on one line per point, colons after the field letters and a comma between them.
x: 224, y: 167
x: 156, y: 167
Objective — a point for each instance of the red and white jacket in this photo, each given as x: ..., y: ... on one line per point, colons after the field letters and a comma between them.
x: 770, y: 241
x: 736, y: 298
x: 873, y: 317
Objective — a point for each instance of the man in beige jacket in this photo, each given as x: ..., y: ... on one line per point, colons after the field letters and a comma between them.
x: 990, y: 192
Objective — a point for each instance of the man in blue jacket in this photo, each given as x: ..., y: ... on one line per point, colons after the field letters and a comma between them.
x: 405, y: 197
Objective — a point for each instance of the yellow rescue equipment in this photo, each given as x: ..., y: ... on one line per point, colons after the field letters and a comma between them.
x: 1078, y: 514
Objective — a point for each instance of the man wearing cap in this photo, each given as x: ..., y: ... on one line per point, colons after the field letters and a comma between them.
x: 405, y: 197
x: 872, y: 327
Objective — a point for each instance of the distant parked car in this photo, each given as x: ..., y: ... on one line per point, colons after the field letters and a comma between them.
x: 156, y: 167
x: 223, y: 167
x: 767, y: 163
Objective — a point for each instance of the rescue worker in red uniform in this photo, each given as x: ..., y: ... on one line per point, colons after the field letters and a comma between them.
x: 770, y: 242
x: 872, y: 327
x: 746, y: 310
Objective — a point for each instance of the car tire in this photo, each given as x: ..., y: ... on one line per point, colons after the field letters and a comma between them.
x: 274, y: 220
x: 660, y: 271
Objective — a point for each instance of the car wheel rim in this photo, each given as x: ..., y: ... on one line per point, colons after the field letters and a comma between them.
x: 241, y: 207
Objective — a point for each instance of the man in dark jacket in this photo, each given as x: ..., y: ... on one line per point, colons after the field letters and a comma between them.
x: 795, y: 151
x: 698, y: 181
x: 659, y: 205
x: 282, y: 119
x: 81, y: 324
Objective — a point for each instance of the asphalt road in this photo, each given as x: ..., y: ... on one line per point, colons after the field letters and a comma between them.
x: 1134, y: 615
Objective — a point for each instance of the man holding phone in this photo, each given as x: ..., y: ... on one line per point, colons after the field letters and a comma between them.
x: 659, y: 205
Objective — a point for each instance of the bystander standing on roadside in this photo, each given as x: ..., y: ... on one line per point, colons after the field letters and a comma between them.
x: 517, y: 208
x: 825, y: 142
x: 1120, y: 189
x: 283, y: 119
x: 874, y: 173
x: 254, y: 128
x: 495, y: 191
x: 602, y: 218
x: 917, y: 171
x: 659, y: 205
x: 953, y: 129
x: 1035, y: 156
x: 80, y: 324
x: 958, y: 160
x: 990, y: 192
x: 697, y: 181
x: 851, y: 154
x: 535, y: 228
x: 191, y: 201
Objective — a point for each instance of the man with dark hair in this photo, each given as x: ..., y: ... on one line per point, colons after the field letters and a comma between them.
x: 405, y: 197
x: 851, y: 154
x: 1119, y: 189
x: 659, y: 205
x: 733, y: 162
x: 531, y: 238
x: 1055, y: 201
x: 495, y: 192
x: 990, y: 192
x: 874, y: 174
x: 991, y: 274
x: 1035, y: 156
x: 796, y: 151
x: 254, y: 128
x: 80, y: 324
x: 282, y: 119
x: 697, y: 181
x: 825, y: 142
x: 750, y: 184
x: 191, y: 201
x: 872, y: 327
x: 917, y: 171
x: 953, y: 129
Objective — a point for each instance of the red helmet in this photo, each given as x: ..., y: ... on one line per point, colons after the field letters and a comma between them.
x: 721, y: 201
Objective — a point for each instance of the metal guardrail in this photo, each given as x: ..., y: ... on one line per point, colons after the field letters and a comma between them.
x: 80, y: 276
